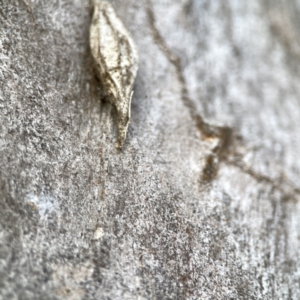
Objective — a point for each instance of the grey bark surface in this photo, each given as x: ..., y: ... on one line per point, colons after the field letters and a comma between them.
x: 203, y: 200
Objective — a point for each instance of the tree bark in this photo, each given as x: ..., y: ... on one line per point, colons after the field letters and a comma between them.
x: 203, y: 200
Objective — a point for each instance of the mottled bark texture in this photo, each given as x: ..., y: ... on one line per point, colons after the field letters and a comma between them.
x: 203, y: 200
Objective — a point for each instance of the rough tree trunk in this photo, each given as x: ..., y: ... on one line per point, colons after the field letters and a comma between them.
x: 203, y: 201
